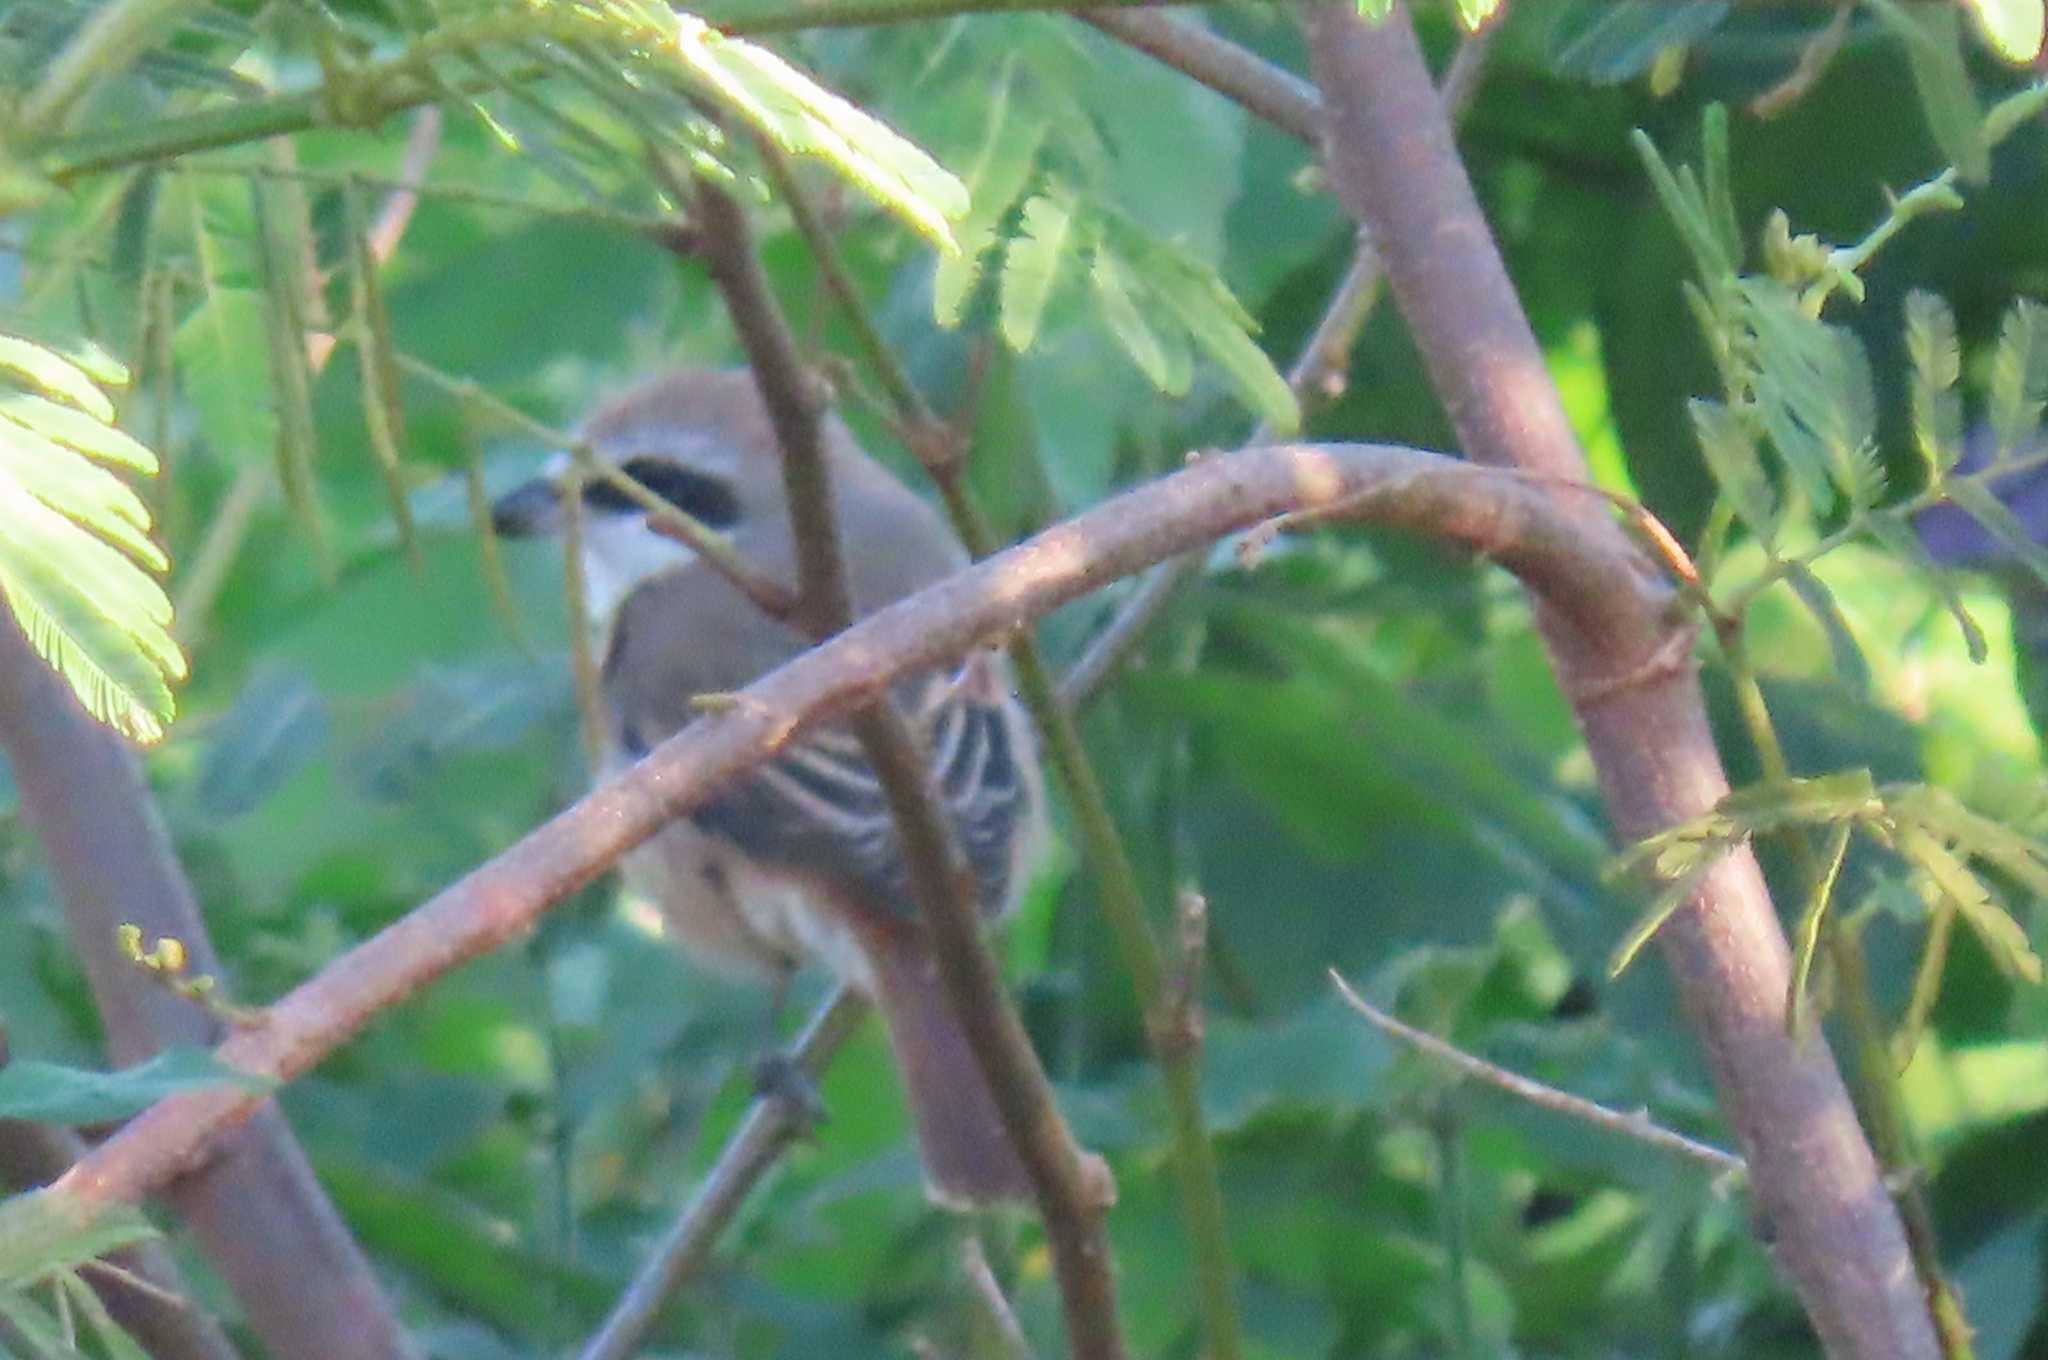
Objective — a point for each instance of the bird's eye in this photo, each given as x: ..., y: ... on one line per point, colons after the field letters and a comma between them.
x: 704, y: 498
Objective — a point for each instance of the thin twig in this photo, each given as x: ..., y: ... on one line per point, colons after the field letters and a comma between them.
x: 395, y: 215
x: 1635, y: 1124
x: 988, y: 1291
x: 1814, y: 57
x: 771, y: 1127
x: 1071, y: 1188
x: 795, y: 401
x: 1273, y: 93
x: 938, y: 448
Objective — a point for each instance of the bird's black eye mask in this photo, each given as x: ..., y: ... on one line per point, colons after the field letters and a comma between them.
x: 705, y: 498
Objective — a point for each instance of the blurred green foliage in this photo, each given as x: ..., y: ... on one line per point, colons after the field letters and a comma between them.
x: 1354, y: 749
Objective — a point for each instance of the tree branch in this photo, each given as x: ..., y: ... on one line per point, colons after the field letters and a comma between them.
x: 259, y: 1213
x: 1500, y: 516
x: 770, y: 1128
x: 1072, y: 1190
x: 796, y: 404
x: 1395, y: 167
x: 1636, y: 1125
x: 1277, y: 95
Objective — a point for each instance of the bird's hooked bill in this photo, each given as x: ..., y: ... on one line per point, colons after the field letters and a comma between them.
x: 531, y: 508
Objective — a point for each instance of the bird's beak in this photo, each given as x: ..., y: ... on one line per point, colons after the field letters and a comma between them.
x: 527, y: 510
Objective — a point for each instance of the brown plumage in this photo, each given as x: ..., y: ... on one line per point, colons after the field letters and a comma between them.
x: 798, y: 861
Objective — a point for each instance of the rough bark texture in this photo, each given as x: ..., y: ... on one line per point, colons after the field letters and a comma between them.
x: 1816, y: 1185
x: 254, y: 1205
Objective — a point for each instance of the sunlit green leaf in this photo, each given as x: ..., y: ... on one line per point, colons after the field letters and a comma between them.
x: 1937, y: 361
x: 1140, y: 340
x: 804, y: 118
x: 1806, y: 937
x: 1032, y: 265
x: 47, y: 1230
x: 2002, y: 936
x: 1732, y: 457
x: 2019, y: 377
x: 1008, y: 158
x: 114, y: 1339
x: 75, y: 551
x: 2012, y: 27
x: 1215, y: 320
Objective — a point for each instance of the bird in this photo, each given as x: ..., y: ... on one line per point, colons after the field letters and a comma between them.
x: 797, y: 861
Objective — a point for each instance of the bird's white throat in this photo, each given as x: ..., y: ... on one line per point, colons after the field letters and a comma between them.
x: 620, y: 553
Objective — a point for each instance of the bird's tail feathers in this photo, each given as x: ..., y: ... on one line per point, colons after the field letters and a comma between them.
x: 969, y: 1158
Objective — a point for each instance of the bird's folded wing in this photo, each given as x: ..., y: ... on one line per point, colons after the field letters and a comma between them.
x: 817, y: 808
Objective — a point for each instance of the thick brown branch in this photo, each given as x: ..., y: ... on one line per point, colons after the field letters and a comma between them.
x: 254, y: 1204
x: 1501, y: 516
x: 1816, y: 1184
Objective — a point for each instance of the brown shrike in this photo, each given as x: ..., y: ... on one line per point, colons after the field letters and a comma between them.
x: 799, y: 860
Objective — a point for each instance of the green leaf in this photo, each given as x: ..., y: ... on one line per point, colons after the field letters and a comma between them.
x: 55, y: 375
x: 1762, y: 809
x: 1473, y: 13
x: 1978, y: 836
x: 1813, y: 395
x: 215, y: 348
x: 1674, y: 895
x: 2002, y: 937
x: 283, y: 254
x: 1167, y: 368
x: 36, y: 1325
x: 1615, y: 40
x: 46, y: 1231
x: 1685, y: 203
x: 1811, y: 591
x: 1009, y: 156
x: 1215, y: 320
x: 1031, y: 266
x: 115, y: 1342
x: 1806, y: 938
x: 1933, y: 38
x: 1732, y: 457
x: 51, y: 1094
x: 2019, y: 378
x: 804, y: 118
x: 1375, y: 11
x: 1937, y: 361
x: 2014, y: 28
x: 377, y: 365
x: 1901, y: 539
x: 75, y: 552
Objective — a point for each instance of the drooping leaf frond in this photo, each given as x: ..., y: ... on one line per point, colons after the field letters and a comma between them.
x: 75, y: 553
